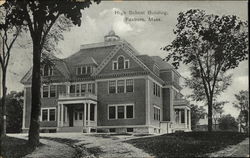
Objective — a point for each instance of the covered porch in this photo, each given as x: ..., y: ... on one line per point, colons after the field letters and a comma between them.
x: 182, y: 115
x: 77, y: 116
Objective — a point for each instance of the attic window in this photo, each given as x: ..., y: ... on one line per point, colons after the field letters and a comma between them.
x: 120, y: 64
x: 47, y: 71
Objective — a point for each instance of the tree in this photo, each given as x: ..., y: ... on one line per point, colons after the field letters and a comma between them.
x: 242, y: 104
x: 228, y: 122
x: 40, y: 16
x: 8, y: 36
x: 196, y: 114
x: 211, y: 45
x: 217, y: 111
x: 14, y: 110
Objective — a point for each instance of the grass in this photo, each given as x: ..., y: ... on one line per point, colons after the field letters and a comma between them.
x: 15, y: 148
x: 189, y: 144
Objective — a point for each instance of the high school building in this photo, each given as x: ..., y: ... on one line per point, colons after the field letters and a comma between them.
x: 109, y: 87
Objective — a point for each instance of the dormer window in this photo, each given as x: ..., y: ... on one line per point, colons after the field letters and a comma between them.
x: 121, y: 63
x: 83, y: 70
x: 47, y: 71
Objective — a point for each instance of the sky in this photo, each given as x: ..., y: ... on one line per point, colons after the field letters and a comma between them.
x: 148, y: 37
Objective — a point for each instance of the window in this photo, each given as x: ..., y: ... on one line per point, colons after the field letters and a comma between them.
x: 121, y: 62
x: 126, y: 64
x: 52, y: 114
x: 84, y: 70
x: 129, y: 85
x: 156, y: 89
x: 45, y: 91
x: 78, y: 71
x: 49, y: 91
x: 83, y: 88
x: 47, y: 70
x: 112, y: 112
x: 44, y: 114
x: 157, y: 113
x: 48, y: 114
x: 121, y: 111
x: 72, y: 88
x: 112, y: 86
x: 129, y: 111
x: 52, y: 91
x: 90, y: 87
x: 120, y: 86
x: 115, y: 65
x: 88, y: 69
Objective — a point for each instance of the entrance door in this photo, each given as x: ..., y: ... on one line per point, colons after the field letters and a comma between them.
x: 78, y: 118
x: 71, y: 119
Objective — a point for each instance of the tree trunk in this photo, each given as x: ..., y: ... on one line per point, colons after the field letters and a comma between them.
x: 210, y: 114
x: 3, y: 111
x: 36, y: 93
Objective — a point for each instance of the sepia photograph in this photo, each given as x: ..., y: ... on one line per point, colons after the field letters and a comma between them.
x: 121, y: 78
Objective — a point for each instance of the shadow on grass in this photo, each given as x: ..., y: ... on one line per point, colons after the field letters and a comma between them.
x: 80, y: 150
x: 15, y: 148
x: 189, y: 144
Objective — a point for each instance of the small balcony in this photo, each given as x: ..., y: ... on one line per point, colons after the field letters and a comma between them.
x: 77, y: 96
x: 180, y: 101
x: 174, y: 83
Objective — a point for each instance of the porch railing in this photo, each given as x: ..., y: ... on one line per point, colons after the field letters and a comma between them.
x: 77, y: 95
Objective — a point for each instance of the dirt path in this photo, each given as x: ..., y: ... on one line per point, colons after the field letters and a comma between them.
x: 50, y: 149
x: 109, y: 146
x: 239, y: 150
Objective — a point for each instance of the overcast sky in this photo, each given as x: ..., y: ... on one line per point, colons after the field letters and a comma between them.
x: 146, y: 36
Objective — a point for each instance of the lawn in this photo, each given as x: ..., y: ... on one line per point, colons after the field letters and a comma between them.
x: 15, y: 148
x: 189, y: 144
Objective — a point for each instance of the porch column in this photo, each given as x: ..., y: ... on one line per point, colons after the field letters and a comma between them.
x: 66, y: 114
x: 58, y: 115
x: 189, y: 119
x: 179, y: 116
x: 62, y: 115
x: 84, y: 117
x: 185, y: 112
x: 88, y: 113
x: 96, y: 112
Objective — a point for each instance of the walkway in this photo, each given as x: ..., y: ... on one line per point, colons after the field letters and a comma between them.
x: 239, y: 150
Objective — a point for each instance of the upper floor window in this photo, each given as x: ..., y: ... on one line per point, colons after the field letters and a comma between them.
x: 49, y: 91
x: 120, y: 64
x: 121, y: 86
x: 47, y: 70
x: 129, y: 85
x: 112, y: 86
x: 80, y: 89
x: 157, y: 89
